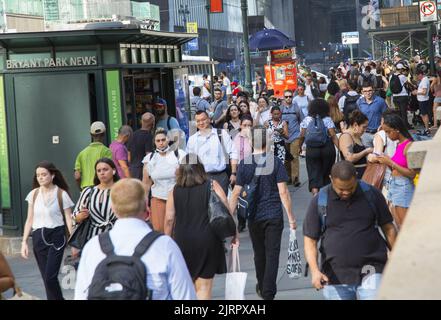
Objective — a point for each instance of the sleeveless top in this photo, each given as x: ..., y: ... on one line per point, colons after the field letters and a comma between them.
x: 275, y: 136
x: 357, y: 149
x: 399, y: 158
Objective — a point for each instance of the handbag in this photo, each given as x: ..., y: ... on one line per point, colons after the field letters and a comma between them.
x: 374, y: 174
x: 294, y: 263
x: 235, y: 280
x: 220, y: 219
x: 79, y: 235
x: 20, y: 295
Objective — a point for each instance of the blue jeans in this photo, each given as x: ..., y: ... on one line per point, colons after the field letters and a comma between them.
x: 366, y: 291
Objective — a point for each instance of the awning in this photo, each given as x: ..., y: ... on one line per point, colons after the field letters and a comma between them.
x: 91, y: 37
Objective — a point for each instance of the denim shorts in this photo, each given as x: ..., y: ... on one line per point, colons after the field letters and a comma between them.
x: 437, y: 100
x: 400, y: 191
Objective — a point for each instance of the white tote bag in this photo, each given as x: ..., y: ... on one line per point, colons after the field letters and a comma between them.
x: 235, y: 281
x: 294, y: 264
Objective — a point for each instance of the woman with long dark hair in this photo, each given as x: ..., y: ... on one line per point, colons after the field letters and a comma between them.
x: 319, y: 159
x: 49, y: 214
x: 232, y: 121
x: 94, y: 202
x: 400, y: 185
x: 188, y: 223
x: 351, y: 146
x: 278, y: 131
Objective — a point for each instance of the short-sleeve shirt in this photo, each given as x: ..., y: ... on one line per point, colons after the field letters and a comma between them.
x: 424, y: 84
x: 174, y: 124
x: 329, y: 124
x: 403, y: 80
x: 162, y: 171
x: 47, y: 213
x: 119, y: 152
x: 269, y: 204
x: 139, y: 145
x: 86, y: 159
x: 351, y: 240
x: 373, y: 111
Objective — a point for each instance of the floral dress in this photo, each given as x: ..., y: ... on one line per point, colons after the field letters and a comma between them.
x: 279, y: 143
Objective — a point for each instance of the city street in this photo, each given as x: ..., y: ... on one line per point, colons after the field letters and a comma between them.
x: 28, y: 276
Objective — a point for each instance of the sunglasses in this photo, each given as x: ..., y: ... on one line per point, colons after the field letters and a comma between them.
x: 288, y: 97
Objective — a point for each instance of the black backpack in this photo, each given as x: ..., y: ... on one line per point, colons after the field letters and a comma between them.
x: 395, y: 84
x: 367, y: 79
x: 350, y: 105
x: 121, y: 277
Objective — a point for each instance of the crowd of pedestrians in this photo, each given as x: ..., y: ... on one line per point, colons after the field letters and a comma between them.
x: 240, y: 140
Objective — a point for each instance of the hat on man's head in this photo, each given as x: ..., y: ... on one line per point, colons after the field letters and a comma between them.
x: 97, y: 127
x: 160, y: 102
x: 400, y: 66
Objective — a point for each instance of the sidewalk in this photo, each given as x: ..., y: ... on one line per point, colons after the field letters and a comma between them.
x: 29, y: 279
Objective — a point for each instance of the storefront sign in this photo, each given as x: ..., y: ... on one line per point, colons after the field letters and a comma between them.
x: 280, y: 56
x: 4, y: 159
x: 113, y: 102
x: 51, y: 63
x: 193, y: 45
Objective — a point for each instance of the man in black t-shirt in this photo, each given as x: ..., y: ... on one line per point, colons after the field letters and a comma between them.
x: 353, y: 253
x: 140, y: 145
x: 266, y: 226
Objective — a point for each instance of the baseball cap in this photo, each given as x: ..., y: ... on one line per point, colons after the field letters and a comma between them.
x: 160, y: 102
x: 97, y: 127
x: 400, y: 66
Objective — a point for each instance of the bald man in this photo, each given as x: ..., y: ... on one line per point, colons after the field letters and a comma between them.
x: 141, y: 144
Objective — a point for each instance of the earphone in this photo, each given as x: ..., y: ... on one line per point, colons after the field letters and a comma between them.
x: 114, y: 171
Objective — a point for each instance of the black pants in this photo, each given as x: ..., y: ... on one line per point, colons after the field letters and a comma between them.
x: 319, y: 162
x: 48, y: 250
x: 266, y: 237
x: 402, y: 103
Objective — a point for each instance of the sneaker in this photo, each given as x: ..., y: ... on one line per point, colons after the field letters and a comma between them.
x: 426, y: 132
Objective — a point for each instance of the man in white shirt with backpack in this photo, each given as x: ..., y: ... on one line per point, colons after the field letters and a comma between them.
x: 400, y: 95
x: 132, y: 262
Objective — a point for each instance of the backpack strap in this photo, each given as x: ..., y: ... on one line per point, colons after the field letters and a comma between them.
x: 168, y: 123
x: 145, y: 243
x: 34, y: 197
x: 106, y: 244
x: 60, y: 204
x: 219, y: 136
x: 367, y: 191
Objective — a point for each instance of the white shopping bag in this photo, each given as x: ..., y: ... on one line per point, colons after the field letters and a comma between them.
x: 235, y: 281
x: 294, y: 264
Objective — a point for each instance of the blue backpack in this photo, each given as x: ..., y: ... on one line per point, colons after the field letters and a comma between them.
x: 316, y: 133
x: 323, y: 205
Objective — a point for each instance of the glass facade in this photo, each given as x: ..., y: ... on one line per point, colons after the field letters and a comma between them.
x: 68, y: 11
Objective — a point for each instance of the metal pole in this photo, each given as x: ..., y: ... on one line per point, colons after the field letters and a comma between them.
x: 373, y: 48
x: 430, y: 44
x: 352, y: 53
x: 207, y: 7
x: 246, y: 46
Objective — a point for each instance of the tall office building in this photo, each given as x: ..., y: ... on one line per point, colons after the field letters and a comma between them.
x: 320, y: 23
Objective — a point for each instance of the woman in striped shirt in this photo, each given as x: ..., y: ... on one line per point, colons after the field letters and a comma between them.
x: 94, y: 202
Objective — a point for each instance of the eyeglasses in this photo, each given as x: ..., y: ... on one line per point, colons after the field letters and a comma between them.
x: 288, y: 97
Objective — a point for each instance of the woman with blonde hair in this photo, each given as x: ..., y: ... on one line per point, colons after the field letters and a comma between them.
x: 335, y: 114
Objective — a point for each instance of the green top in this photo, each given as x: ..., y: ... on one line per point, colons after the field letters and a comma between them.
x: 86, y: 159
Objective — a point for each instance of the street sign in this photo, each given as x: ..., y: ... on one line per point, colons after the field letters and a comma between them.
x: 428, y: 11
x: 350, y: 38
x: 216, y: 6
x: 193, y: 45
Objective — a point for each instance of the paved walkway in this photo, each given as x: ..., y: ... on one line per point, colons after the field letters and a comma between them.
x: 28, y: 276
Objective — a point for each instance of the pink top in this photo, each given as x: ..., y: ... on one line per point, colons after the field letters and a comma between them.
x: 399, y: 158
